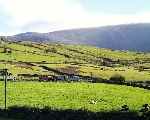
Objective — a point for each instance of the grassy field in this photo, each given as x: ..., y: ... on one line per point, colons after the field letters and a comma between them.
x: 34, y: 58
x: 27, y: 58
x: 93, y: 97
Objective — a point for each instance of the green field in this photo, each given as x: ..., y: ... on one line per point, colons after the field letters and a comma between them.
x: 52, y: 59
x: 93, y: 97
x: 27, y: 58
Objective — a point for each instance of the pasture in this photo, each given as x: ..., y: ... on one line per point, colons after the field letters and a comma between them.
x: 30, y: 62
x: 87, y: 96
x: 27, y: 58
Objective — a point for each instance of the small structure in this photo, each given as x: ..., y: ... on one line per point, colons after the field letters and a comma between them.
x: 66, y: 77
x: 73, y: 78
x: 60, y: 78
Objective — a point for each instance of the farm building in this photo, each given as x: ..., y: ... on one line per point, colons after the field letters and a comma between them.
x: 60, y: 77
x: 67, y: 77
x: 73, y: 78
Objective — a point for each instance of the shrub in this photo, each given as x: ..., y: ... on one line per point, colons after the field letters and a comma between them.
x: 141, y: 68
x: 117, y: 78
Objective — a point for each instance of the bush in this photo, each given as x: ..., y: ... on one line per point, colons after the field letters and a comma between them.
x: 117, y: 78
x: 141, y: 68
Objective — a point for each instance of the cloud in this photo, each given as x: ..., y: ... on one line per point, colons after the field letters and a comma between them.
x: 53, y: 12
x: 25, y: 11
x: 50, y: 15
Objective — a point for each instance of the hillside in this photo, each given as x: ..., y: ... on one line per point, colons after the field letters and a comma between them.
x: 31, y: 95
x: 52, y: 59
x: 121, y: 37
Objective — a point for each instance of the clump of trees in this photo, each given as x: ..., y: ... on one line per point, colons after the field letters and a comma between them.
x: 117, y: 78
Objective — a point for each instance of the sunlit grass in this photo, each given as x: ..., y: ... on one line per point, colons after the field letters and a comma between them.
x: 74, y: 95
x: 81, y: 56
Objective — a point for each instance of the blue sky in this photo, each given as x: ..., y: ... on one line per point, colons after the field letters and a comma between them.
x: 117, y: 6
x: 18, y: 16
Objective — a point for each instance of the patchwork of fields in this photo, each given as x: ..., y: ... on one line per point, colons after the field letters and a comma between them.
x: 32, y: 61
x: 27, y: 58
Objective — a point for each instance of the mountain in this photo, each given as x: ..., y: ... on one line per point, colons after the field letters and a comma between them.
x: 134, y: 37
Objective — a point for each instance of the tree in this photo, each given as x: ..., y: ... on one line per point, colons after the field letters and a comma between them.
x: 117, y: 78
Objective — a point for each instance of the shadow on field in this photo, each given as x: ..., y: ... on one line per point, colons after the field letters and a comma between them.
x: 28, y: 113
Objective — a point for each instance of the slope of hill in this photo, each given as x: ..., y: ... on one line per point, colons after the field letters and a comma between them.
x: 49, y: 59
x: 122, y: 37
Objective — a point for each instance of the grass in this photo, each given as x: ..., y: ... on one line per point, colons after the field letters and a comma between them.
x: 88, y: 59
x: 27, y: 58
x: 107, y: 72
x: 74, y: 96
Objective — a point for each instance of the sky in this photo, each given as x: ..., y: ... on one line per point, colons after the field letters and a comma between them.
x: 18, y: 16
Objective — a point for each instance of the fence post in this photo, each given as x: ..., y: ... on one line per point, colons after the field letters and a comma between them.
x: 5, y: 80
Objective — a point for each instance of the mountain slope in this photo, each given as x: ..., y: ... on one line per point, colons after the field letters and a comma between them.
x: 122, y: 37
